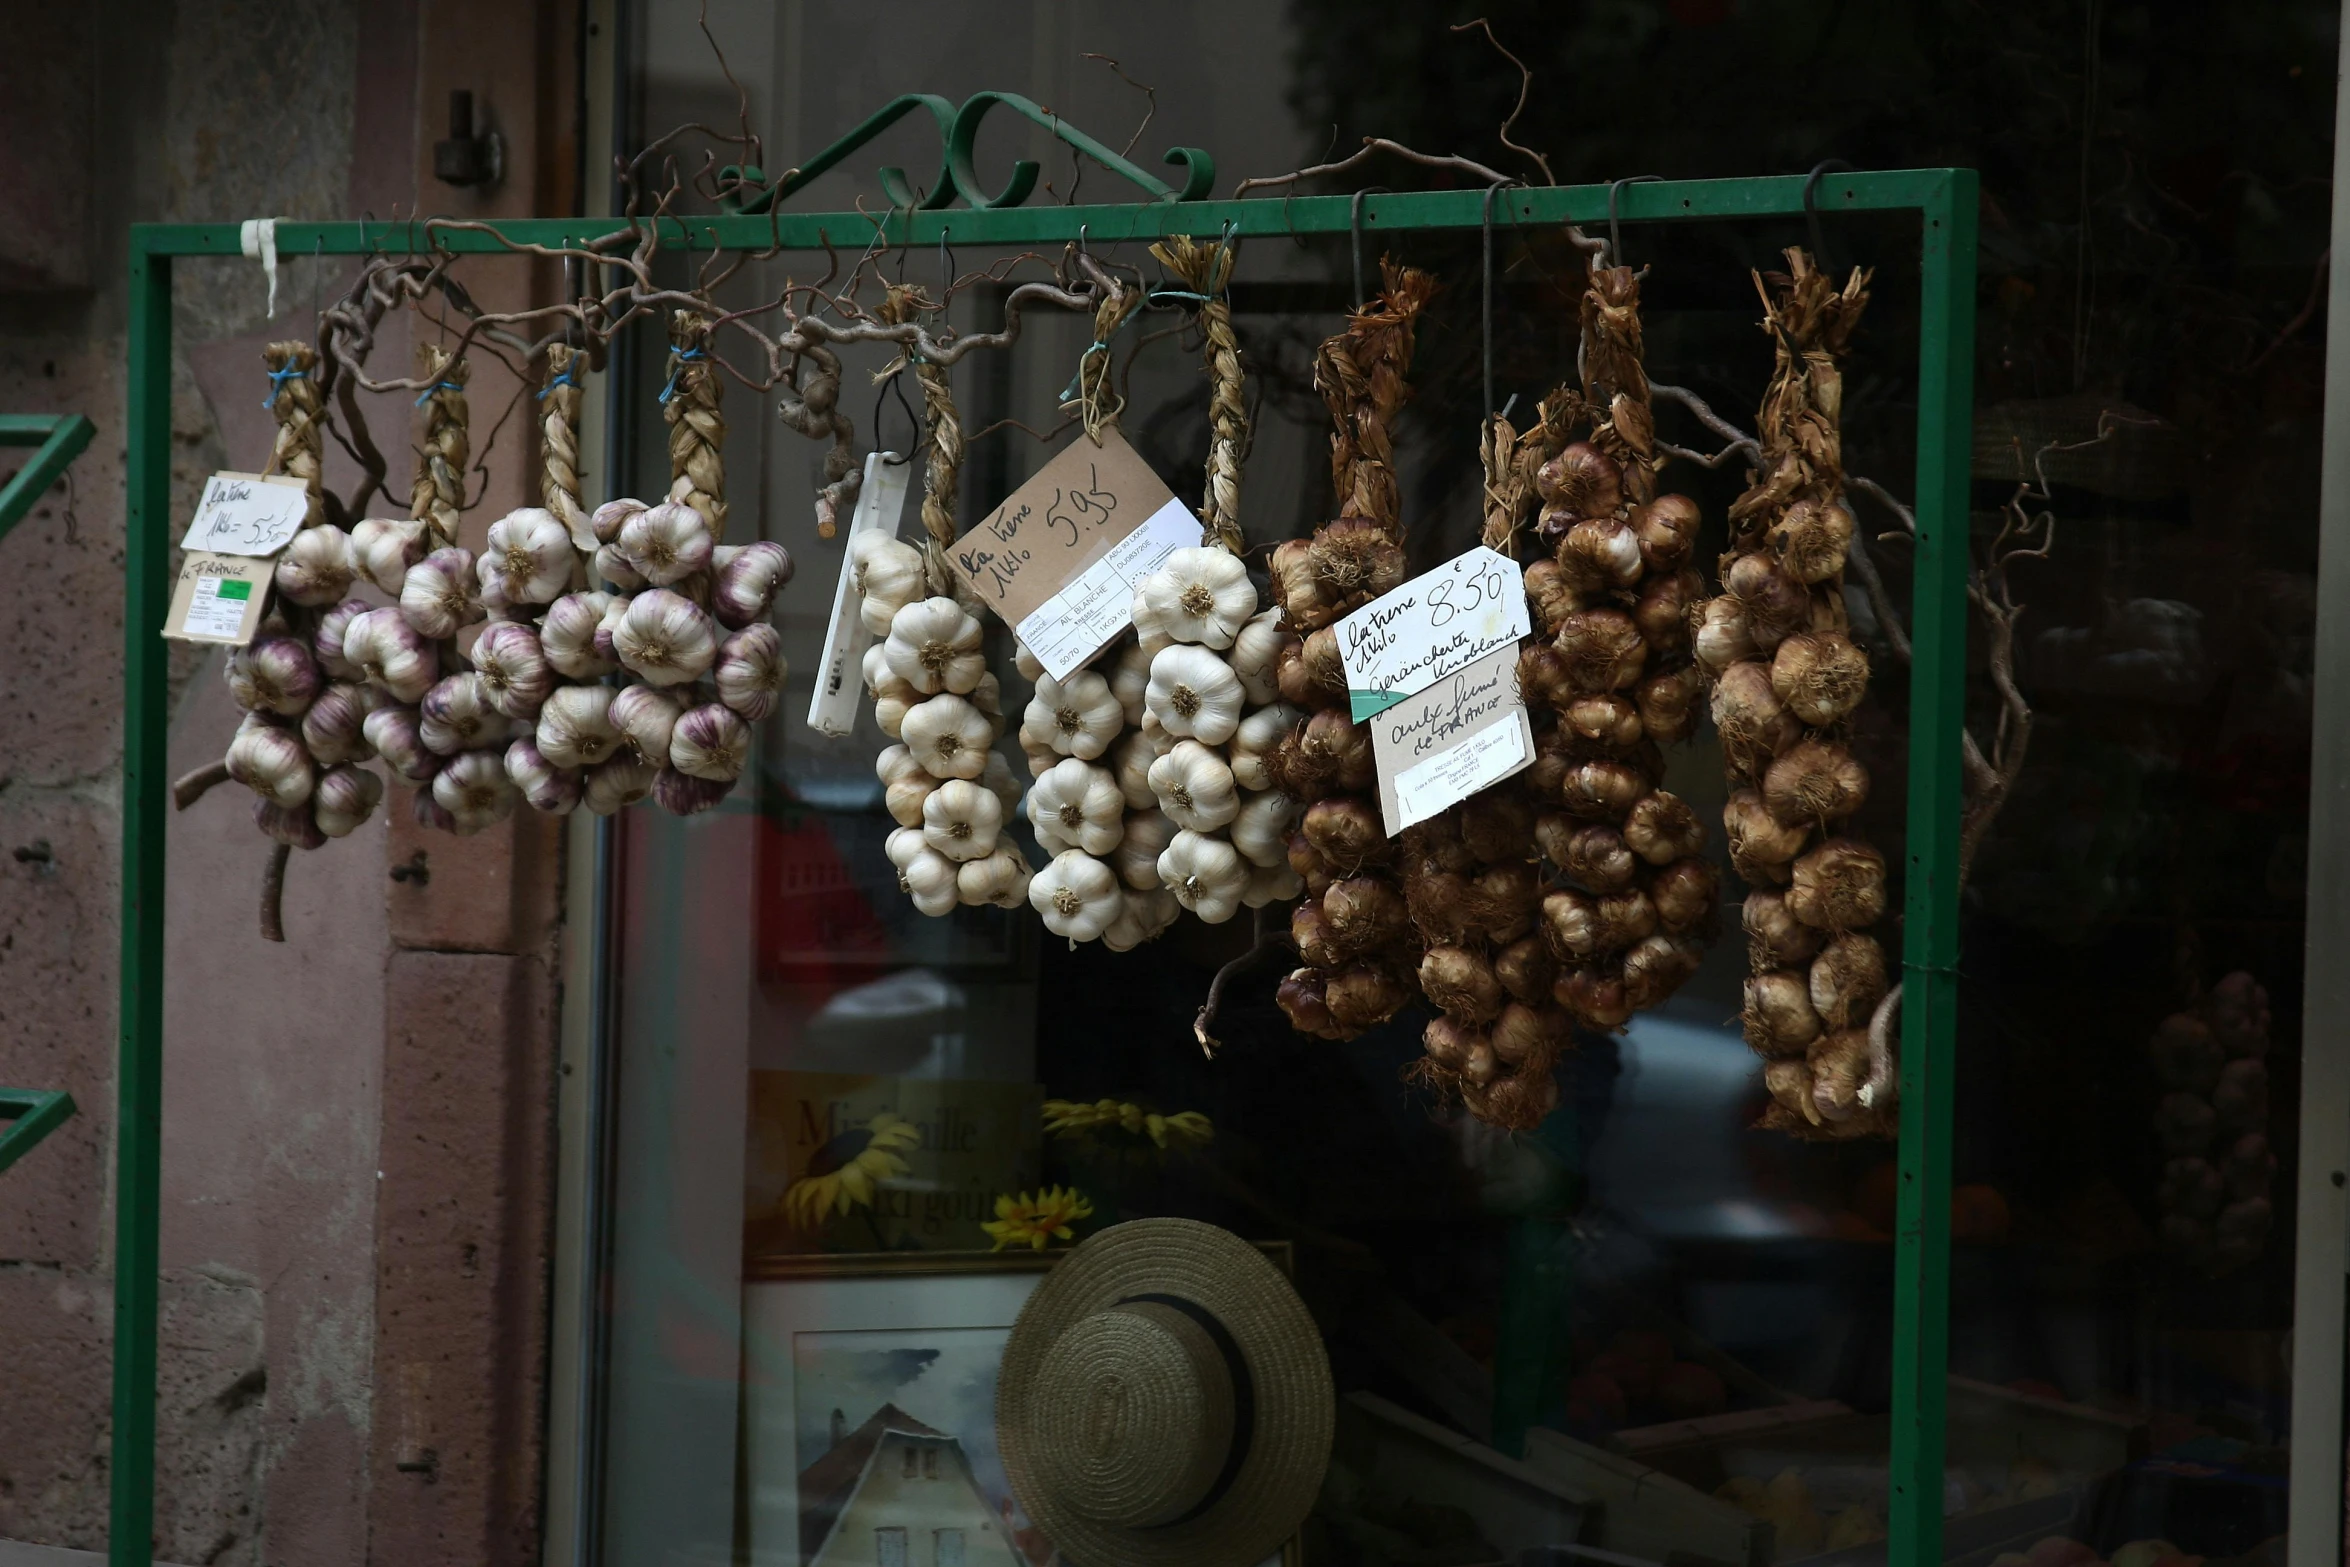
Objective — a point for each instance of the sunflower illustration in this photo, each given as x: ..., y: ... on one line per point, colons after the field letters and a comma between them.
x: 845, y: 1172
x: 1072, y: 1118
x: 1040, y: 1220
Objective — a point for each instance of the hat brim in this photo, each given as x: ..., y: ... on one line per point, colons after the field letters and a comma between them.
x: 1295, y: 1412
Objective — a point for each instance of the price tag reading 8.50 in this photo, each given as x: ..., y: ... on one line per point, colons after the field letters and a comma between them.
x: 1434, y: 626
x: 248, y: 514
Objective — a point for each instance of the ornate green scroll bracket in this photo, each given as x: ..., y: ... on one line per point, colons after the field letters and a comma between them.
x: 26, y: 1116
x: 60, y: 438
x: 744, y: 188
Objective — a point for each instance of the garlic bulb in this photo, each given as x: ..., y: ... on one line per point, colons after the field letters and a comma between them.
x: 948, y: 736
x: 924, y: 874
x: 1775, y: 938
x: 1847, y: 980
x: 345, y: 797
x: 682, y: 794
x: 272, y: 763
x: 1206, y: 874
x: 710, y: 742
x: 1779, y: 1016
x: 665, y: 543
x: 273, y: 674
x: 1838, y: 886
x: 457, y: 715
x: 1815, y: 781
x: 1761, y: 847
x: 1261, y: 829
x: 999, y: 878
x: 1194, y: 694
x: 513, y: 667
x: 747, y: 582
x: 646, y: 717
x: 334, y: 727
x: 1194, y: 787
x: 567, y: 635
x: 1145, y: 836
x: 390, y: 654
x: 294, y: 826
x: 665, y: 638
x: 383, y: 548
x: 1143, y: 917
x: 395, y: 734
x: 1661, y: 828
x: 750, y: 671
x: 1198, y: 595
x: 440, y: 594
x: 1077, y: 895
x: 527, y: 557
x: 327, y: 645
x: 317, y: 568
x: 1810, y: 540
x: 475, y: 790
x: 1130, y: 764
x: 1268, y: 884
x: 961, y: 819
x: 1820, y: 675
x: 612, y: 784
x: 551, y: 790
x: 1130, y: 678
x: 887, y: 575
x: 1723, y: 637
x: 605, y: 521
x: 1256, y: 657
x: 997, y: 780
x: 906, y: 785
x: 1260, y: 734
x: 1024, y: 661
x: 575, y: 728
x: 1076, y: 805
x: 613, y: 567
x: 935, y: 646
x: 1076, y: 717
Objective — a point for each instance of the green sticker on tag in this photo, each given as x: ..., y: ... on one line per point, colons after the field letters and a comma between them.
x: 1366, y: 703
x: 234, y: 590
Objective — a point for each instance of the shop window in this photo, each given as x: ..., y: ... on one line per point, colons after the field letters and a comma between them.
x: 889, y: 1547
x: 950, y: 1548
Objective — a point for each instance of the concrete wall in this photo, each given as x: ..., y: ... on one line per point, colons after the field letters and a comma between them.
x: 357, y: 1123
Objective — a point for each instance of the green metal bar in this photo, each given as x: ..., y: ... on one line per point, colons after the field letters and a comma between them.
x: 1929, y: 958
x: 1665, y: 201
x: 26, y: 1116
x: 60, y: 438
x: 138, y: 1082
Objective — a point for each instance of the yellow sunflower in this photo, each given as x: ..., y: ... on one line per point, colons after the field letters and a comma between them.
x: 1069, y: 1118
x: 1040, y: 1220
x: 845, y: 1172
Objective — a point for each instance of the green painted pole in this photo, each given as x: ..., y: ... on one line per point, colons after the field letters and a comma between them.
x: 60, y: 439
x: 1929, y: 957
x: 138, y: 1075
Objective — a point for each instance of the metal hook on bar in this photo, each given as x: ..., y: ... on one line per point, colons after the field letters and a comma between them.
x: 1811, y: 210
x: 1615, y: 236
x: 1485, y: 227
x: 946, y: 268
x: 1354, y: 224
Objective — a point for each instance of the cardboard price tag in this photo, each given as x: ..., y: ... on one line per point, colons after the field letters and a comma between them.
x: 881, y: 499
x: 1433, y: 626
x: 1451, y: 739
x: 219, y: 599
x: 1059, y: 560
x: 248, y: 514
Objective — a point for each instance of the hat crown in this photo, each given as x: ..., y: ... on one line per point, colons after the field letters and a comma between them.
x: 1135, y: 1414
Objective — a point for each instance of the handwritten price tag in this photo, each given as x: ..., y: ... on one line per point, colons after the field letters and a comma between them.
x: 247, y: 514
x: 1057, y: 562
x: 1449, y: 740
x: 1433, y: 626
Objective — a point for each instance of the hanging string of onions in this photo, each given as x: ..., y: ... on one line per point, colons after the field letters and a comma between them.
x: 1353, y: 929
x: 1786, y: 678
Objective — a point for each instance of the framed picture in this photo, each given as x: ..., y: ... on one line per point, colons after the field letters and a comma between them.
x: 869, y: 1410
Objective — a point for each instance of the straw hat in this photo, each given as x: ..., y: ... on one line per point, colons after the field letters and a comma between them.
x: 1165, y: 1401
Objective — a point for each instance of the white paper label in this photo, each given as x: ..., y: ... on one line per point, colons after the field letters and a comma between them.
x: 1443, y: 744
x: 1434, y: 625
x: 247, y: 514
x: 881, y: 500
x: 217, y: 608
x: 1076, y: 623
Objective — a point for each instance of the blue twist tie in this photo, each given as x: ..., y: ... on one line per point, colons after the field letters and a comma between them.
x: 678, y: 369
x: 562, y: 378
x: 278, y: 379
x: 425, y: 396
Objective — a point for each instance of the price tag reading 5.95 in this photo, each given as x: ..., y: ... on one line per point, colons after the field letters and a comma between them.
x: 1433, y: 626
x: 248, y: 514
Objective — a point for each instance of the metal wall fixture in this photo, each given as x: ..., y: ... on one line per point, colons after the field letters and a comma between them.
x: 1944, y: 201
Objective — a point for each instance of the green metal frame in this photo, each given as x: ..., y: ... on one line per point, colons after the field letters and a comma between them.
x: 26, y: 1116
x: 60, y: 438
x: 1943, y: 199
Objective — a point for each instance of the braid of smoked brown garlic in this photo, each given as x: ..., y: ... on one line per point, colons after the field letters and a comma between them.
x: 1787, y: 677
x: 1628, y: 921
x: 1352, y: 928
x: 1473, y: 890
